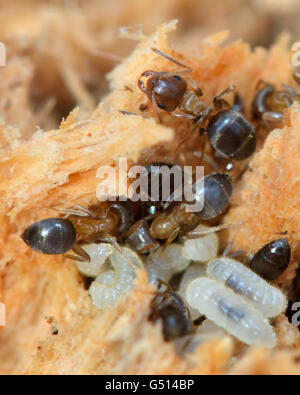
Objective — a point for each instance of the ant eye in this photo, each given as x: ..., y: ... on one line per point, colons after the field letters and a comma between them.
x: 162, y: 106
x: 176, y: 77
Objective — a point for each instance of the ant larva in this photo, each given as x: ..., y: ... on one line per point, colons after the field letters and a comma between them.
x: 229, y: 311
x: 236, y: 298
x: 269, y: 300
x: 179, y: 221
x: 116, y: 275
x: 104, y: 222
x: 170, y: 308
x: 229, y: 132
x: 271, y: 260
x: 269, y: 103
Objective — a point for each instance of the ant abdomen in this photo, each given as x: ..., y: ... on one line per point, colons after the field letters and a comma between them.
x: 231, y: 135
x: 51, y: 236
x: 217, y: 194
x: 271, y: 260
x: 140, y: 239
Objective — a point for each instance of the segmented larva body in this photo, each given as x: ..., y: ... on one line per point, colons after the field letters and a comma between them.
x: 202, y: 249
x: 194, y: 271
x: 270, y: 301
x: 117, y: 280
x: 164, y: 264
x: 230, y: 311
x: 99, y: 253
x: 177, y: 257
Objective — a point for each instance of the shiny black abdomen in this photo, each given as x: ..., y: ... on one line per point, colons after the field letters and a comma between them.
x: 50, y: 236
x: 231, y: 135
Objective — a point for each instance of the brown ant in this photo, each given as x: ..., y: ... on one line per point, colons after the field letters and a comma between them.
x: 229, y: 132
x: 101, y: 223
x: 269, y: 103
x: 217, y: 191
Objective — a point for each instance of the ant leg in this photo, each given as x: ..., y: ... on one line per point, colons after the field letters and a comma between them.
x: 260, y: 82
x: 218, y: 100
x: 172, y: 237
x: 128, y: 113
x: 201, y: 155
x: 82, y: 256
x: 162, y: 282
x: 194, y: 85
x: 196, y: 124
x: 194, y: 234
x: 226, y: 252
x: 186, y: 116
x: 271, y: 117
x: 78, y: 210
x: 207, y: 159
x: 228, y: 248
x: 199, y: 121
x: 113, y: 241
x: 289, y: 90
x: 296, y: 77
x: 236, y: 253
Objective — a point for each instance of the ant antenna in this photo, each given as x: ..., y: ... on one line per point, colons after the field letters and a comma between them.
x: 170, y: 59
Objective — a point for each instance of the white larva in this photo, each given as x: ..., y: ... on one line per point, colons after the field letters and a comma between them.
x: 243, y: 281
x: 98, y: 254
x: 164, y: 264
x: 194, y: 271
x: 111, y: 284
x: 201, y: 249
x: 230, y: 311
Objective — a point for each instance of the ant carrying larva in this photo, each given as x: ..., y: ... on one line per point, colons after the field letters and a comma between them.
x: 229, y: 132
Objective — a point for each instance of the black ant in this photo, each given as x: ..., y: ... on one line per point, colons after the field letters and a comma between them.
x: 217, y: 191
x: 159, y: 179
x: 229, y: 132
x: 173, y: 219
x: 101, y: 223
x: 269, y: 103
x: 169, y: 307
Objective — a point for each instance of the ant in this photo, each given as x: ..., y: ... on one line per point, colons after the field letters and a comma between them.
x: 157, y: 175
x: 173, y: 219
x: 269, y: 103
x: 170, y: 308
x: 217, y: 191
x: 229, y: 132
x: 101, y: 223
